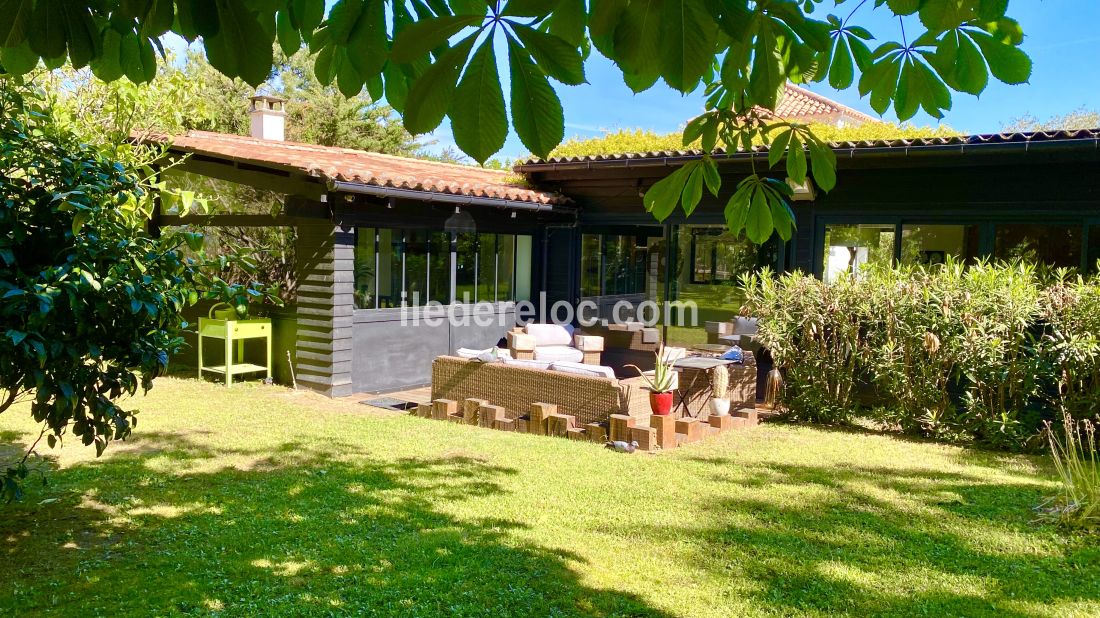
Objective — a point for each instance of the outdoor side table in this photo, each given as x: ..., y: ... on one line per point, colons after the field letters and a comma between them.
x: 695, y: 382
x: 711, y: 349
x: 230, y: 332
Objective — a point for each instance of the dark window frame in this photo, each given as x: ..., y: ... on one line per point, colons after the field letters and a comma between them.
x: 403, y: 234
x: 987, y: 230
x: 633, y: 281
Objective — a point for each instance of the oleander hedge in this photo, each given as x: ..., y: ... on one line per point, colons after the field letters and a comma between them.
x: 983, y: 353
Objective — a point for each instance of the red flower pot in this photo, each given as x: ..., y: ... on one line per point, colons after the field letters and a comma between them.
x: 660, y: 403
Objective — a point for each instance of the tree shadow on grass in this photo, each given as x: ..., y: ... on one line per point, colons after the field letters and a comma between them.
x: 883, y: 541
x: 170, y: 526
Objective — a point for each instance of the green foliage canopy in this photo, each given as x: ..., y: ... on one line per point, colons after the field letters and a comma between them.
x: 90, y: 304
x: 436, y: 59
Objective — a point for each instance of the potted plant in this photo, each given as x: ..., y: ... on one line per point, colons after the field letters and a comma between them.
x: 231, y: 300
x: 719, y: 385
x: 661, y: 383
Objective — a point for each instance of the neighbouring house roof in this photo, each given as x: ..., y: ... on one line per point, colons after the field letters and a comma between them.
x: 360, y: 167
x: 1088, y: 139
x: 805, y: 106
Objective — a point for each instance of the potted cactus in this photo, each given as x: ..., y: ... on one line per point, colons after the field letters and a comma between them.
x: 661, y: 383
x: 720, y: 385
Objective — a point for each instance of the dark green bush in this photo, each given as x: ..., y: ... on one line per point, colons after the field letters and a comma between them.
x: 983, y: 353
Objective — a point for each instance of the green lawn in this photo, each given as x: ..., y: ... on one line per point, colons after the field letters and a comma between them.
x: 256, y: 500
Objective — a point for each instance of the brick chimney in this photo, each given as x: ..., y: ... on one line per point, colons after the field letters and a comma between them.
x: 268, y: 117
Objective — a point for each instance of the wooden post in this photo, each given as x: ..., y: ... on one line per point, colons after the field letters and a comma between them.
x: 539, y: 413
x: 558, y: 425
x: 666, y: 430
x: 620, y: 427
x: 488, y: 415
x: 442, y: 408
x: 470, y: 408
x: 691, y: 429
x: 721, y: 423
x: 749, y: 414
x: 646, y: 437
x: 596, y: 432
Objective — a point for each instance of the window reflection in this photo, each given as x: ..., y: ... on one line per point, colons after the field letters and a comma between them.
x: 933, y: 244
x: 849, y: 248
x: 613, y: 264
x: 1053, y: 245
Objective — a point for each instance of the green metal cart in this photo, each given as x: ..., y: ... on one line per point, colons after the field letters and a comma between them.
x: 235, y: 332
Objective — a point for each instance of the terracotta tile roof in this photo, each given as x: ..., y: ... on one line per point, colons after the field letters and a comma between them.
x: 801, y: 104
x: 358, y: 166
x: 1088, y: 139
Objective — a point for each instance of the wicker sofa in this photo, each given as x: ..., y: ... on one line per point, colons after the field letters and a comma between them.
x: 590, y: 399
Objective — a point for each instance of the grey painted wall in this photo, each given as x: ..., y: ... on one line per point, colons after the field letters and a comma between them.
x: 323, y: 340
x: 389, y: 354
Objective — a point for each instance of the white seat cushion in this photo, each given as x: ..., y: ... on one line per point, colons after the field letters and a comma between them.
x: 528, y: 364
x: 555, y: 353
x: 550, y: 334
x: 487, y: 355
x: 467, y: 353
x: 596, y: 371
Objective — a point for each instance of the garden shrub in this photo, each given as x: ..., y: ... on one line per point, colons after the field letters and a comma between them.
x: 982, y: 353
x: 812, y: 339
x: 91, y: 303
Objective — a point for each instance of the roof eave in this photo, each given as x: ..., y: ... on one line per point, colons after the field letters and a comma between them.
x: 342, y: 186
x: 842, y: 151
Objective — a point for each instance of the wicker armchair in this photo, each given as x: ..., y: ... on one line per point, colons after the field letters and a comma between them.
x: 553, y: 342
x: 738, y: 331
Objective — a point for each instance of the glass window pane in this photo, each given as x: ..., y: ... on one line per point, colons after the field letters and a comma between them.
x: 702, y: 247
x: 416, y: 267
x: 389, y: 268
x: 1054, y: 245
x: 933, y: 244
x: 523, y: 267
x: 506, y: 257
x: 618, y: 264
x: 639, y: 270
x: 1093, y: 249
x: 590, y: 265
x: 365, y: 269
x: 851, y: 247
x: 735, y: 256
x: 466, y: 268
x: 440, y: 288
x: 486, y: 268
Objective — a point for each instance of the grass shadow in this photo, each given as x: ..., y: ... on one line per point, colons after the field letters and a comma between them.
x: 180, y: 528
x: 889, y: 541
